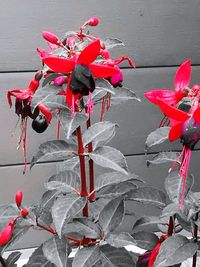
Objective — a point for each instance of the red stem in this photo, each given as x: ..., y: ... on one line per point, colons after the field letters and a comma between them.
x: 83, y: 192
x: 49, y: 229
x: 91, y: 163
x: 171, y: 226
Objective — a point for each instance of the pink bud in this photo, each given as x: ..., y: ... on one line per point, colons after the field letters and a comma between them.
x: 59, y: 80
x: 93, y: 21
x: 18, y: 198
x: 6, y: 235
x: 24, y: 212
x: 50, y: 37
x: 116, y: 79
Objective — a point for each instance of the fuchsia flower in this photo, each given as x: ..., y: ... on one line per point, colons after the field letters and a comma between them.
x: 181, y: 83
x: 81, y: 71
x: 23, y: 98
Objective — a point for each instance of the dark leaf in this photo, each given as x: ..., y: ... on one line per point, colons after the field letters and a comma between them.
x: 64, y: 181
x: 145, y: 240
x: 56, y: 251
x: 99, y: 133
x: 65, y: 208
x: 148, y: 195
x: 82, y: 226
x: 123, y: 94
x: 112, y: 215
x: 116, y: 257
x: 13, y: 258
x: 174, y: 184
x: 38, y: 259
x: 86, y: 257
x: 174, y: 250
x: 120, y: 240
x: 70, y: 125
x: 157, y: 137
x: 112, y: 42
x: 53, y: 150
x: 109, y: 157
x: 163, y: 157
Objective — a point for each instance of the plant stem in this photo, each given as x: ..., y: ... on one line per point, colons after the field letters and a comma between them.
x: 2, y: 262
x: 171, y: 226
x: 195, y: 235
x: 49, y: 229
x: 83, y: 192
x: 91, y: 163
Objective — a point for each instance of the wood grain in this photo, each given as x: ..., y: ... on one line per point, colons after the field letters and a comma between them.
x: 156, y: 32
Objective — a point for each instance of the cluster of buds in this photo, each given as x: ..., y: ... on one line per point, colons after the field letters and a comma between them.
x: 182, y: 110
x: 6, y: 233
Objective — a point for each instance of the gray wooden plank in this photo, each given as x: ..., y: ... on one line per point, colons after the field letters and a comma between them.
x: 136, y: 120
x: 156, y: 32
x: 11, y: 180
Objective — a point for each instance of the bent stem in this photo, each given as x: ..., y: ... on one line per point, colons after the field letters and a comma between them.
x: 171, y: 226
x: 195, y: 235
x: 83, y: 192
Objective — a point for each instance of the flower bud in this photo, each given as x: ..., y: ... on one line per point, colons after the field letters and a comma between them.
x: 6, y: 235
x: 18, y: 198
x: 24, y: 212
x: 50, y: 37
x: 93, y: 21
x: 117, y: 79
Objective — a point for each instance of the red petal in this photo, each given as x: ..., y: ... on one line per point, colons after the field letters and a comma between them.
x: 69, y: 95
x: 196, y: 115
x: 90, y: 53
x: 166, y: 95
x: 46, y: 112
x: 102, y: 71
x: 182, y: 76
x: 172, y: 112
x: 175, y: 132
x: 58, y: 64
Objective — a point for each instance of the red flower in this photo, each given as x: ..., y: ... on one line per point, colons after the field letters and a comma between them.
x: 181, y: 83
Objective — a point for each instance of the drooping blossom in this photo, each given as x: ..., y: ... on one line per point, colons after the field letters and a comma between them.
x: 181, y: 86
x: 186, y: 127
x: 23, y: 98
x: 81, y: 71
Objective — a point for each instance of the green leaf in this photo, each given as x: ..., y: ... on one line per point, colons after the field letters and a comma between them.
x: 157, y: 137
x: 64, y: 182
x: 145, y: 240
x: 82, y: 226
x: 65, y: 208
x: 149, y: 224
x: 170, y: 210
x: 148, y: 195
x: 116, y: 257
x: 42, y: 94
x: 109, y: 157
x: 120, y: 240
x: 102, y: 84
x: 174, y: 250
x: 50, y: 78
x: 123, y: 94
x: 53, y: 150
x: 96, y: 207
x: 174, y: 184
x: 54, y: 102
x: 163, y: 157
x: 69, y: 164
x: 99, y: 133
x: 7, y: 213
x: 38, y: 259
x: 112, y: 215
x: 86, y: 257
x: 56, y: 251
x: 113, y: 178
x: 112, y: 42
x: 68, y: 124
